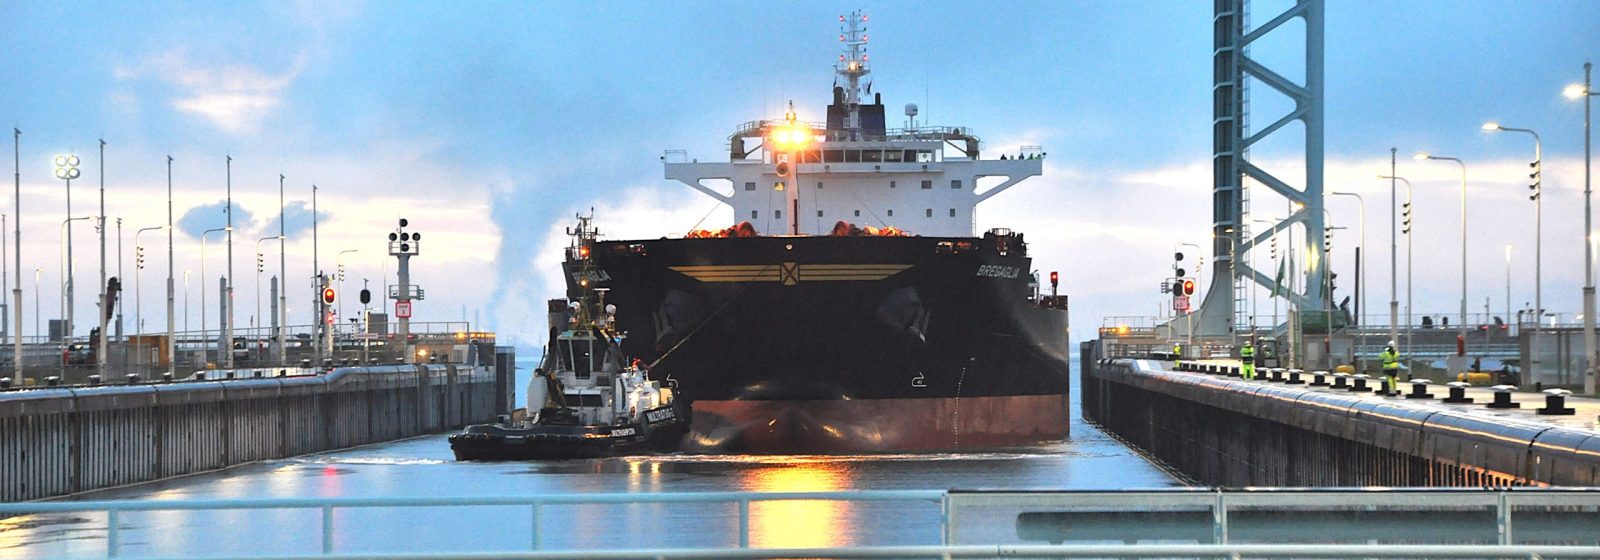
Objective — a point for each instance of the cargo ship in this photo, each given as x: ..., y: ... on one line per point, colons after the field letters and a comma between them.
x: 853, y: 307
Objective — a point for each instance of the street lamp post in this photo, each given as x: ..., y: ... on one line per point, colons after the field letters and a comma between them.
x: 260, y: 267
x: 1586, y: 92
x: 100, y: 353
x: 283, y: 277
x: 1406, y: 229
x: 1462, y: 328
x: 340, y: 261
x: 172, y: 324
x: 1361, y: 276
x: 227, y: 295
x: 186, y: 299
x: 37, y: 332
x: 66, y: 273
x: 1538, y: 246
x: 205, y: 344
x: 1508, y: 285
x: 16, y: 291
x: 138, y: 300
x: 67, y: 170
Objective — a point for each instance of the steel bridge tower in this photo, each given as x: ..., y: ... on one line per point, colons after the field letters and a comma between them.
x: 1231, y: 165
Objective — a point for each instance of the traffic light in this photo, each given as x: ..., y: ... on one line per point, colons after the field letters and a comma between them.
x: 1274, y: 246
x: 1538, y: 182
x: 1177, y: 264
x: 1188, y: 287
x: 366, y: 296
x: 1406, y: 213
x: 1055, y: 279
x: 327, y: 296
x: 261, y: 264
x: 1327, y: 239
x: 139, y: 257
x: 341, y: 273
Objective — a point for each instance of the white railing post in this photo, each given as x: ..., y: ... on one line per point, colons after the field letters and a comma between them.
x: 744, y: 523
x: 1219, y: 520
x: 113, y: 532
x: 327, y: 529
x: 533, y: 530
x: 1503, y: 518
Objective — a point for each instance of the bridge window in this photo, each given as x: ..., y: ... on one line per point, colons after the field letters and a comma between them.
x: 852, y: 156
x: 955, y: 183
x: 750, y: 185
x: 892, y: 156
x: 872, y: 156
x: 927, y: 184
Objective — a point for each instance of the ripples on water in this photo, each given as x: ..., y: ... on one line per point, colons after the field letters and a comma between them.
x: 424, y: 467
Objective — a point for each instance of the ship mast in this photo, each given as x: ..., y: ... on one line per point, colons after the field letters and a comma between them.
x: 853, y: 65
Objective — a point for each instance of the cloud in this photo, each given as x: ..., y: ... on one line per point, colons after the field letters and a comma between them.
x: 211, y: 216
x: 297, y: 216
x: 233, y: 97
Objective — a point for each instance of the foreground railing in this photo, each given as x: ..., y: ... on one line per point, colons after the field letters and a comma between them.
x: 1249, y: 523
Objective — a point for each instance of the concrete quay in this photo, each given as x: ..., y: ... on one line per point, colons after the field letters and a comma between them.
x: 1222, y: 430
x: 64, y: 440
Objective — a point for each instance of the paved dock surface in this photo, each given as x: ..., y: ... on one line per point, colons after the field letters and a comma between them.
x: 1586, y: 414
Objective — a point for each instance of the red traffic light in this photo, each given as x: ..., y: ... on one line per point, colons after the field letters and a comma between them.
x: 1055, y: 278
x: 1188, y: 287
x: 328, y: 296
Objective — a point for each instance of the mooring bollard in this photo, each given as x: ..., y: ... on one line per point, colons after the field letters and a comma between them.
x: 132, y: 378
x: 1294, y: 377
x: 1275, y: 374
x: 1419, y: 389
x: 166, y: 377
x: 258, y: 373
x: 1458, y: 393
x: 1319, y: 378
x: 1359, y: 382
x: 5, y: 382
x: 94, y: 379
x: 199, y: 376
x: 1502, y: 397
x: 1341, y: 381
x: 52, y: 381
x: 1555, y: 403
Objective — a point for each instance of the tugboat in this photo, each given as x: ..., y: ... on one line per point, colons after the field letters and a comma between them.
x: 585, y: 400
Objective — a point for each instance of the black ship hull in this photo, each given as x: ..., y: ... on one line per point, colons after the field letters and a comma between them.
x: 827, y: 344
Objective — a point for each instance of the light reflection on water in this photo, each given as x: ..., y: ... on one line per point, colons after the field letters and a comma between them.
x: 424, y: 467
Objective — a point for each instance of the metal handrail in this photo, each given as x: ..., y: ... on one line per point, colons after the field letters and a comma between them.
x: 1219, y: 502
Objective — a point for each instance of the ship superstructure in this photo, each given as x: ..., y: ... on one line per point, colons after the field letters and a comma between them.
x: 851, y: 307
x: 797, y: 177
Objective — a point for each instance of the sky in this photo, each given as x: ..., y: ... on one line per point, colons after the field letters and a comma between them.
x: 489, y: 125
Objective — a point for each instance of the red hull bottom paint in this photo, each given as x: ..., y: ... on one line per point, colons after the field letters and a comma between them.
x: 877, y: 425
